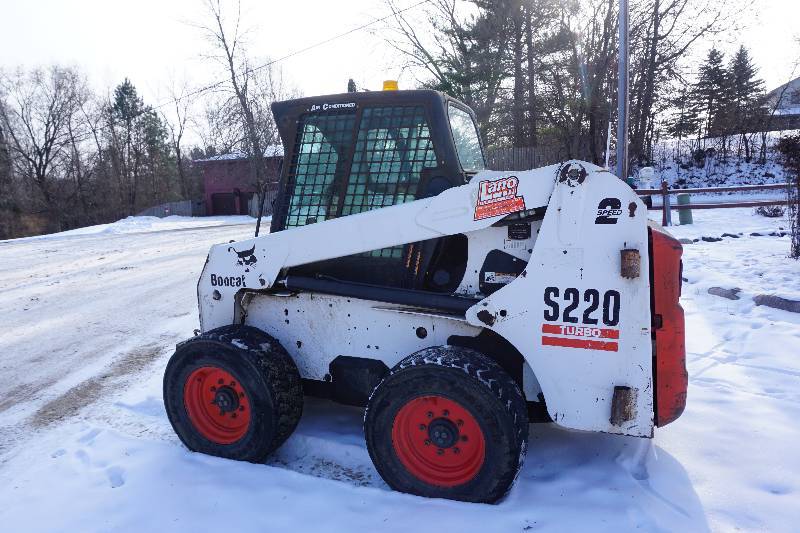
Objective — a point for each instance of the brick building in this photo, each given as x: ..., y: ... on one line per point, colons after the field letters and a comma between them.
x: 229, y: 181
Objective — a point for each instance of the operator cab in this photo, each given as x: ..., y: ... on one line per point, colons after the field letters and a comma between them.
x: 354, y: 152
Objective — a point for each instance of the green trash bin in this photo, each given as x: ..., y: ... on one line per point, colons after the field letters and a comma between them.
x: 684, y: 215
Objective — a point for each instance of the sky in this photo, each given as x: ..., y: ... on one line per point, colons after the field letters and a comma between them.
x: 104, y: 38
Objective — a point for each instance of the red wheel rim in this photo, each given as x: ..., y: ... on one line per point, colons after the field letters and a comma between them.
x: 217, y: 405
x: 438, y: 441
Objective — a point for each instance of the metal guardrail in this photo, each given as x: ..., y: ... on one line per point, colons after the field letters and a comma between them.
x: 666, y: 206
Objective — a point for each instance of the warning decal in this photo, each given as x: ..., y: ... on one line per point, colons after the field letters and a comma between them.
x: 498, y: 197
x: 586, y: 337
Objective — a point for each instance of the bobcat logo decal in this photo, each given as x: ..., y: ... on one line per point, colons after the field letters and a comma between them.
x: 245, y: 258
x: 572, y: 174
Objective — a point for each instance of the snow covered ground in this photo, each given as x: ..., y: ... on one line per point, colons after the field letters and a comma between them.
x: 674, y: 162
x: 91, y: 317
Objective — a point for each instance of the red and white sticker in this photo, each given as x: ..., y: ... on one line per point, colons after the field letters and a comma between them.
x: 585, y: 337
x: 498, y: 197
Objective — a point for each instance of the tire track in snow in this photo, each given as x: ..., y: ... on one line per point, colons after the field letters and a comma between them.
x: 87, y: 392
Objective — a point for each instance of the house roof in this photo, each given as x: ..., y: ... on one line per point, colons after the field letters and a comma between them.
x: 273, y: 150
x: 789, y: 93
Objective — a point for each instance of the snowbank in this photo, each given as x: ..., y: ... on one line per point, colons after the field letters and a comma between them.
x: 144, y: 224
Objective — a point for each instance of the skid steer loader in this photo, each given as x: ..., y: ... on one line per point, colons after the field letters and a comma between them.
x: 456, y: 304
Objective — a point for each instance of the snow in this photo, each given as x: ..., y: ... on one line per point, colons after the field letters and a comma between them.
x: 146, y: 224
x: 90, y: 320
x: 273, y: 150
x: 673, y: 162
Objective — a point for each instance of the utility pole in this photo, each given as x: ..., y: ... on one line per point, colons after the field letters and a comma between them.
x: 622, y: 93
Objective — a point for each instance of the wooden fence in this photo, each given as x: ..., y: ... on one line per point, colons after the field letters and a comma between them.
x: 184, y: 208
x: 271, y: 195
x: 525, y: 158
x: 666, y: 205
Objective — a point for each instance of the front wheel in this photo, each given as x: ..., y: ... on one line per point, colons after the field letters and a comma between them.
x: 233, y: 392
x: 448, y: 422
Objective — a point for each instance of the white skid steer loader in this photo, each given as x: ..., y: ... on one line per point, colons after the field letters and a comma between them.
x: 456, y: 304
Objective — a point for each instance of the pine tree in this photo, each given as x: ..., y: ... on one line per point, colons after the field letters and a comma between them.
x: 746, y: 88
x: 712, y: 94
x: 685, y: 119
x: 137, y: 143
x: 127, y: 104
x: 747, y: 94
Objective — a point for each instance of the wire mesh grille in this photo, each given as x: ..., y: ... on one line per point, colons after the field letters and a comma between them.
x: 392, y: 147
x: 318, y: 165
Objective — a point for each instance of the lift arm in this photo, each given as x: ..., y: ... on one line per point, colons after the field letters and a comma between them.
x: 257, y: 263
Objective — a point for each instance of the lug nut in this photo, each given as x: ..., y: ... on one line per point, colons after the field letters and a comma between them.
x: 440, y: 452
x: 213, y: 388
x: 422, y: 427
x: 445, y: 413
x: 427, y: 442
x: 233, y: 415
x: 220, y: 382
x: 463, y: 438
x: 430, y: 414
x: 241, y: 407
x: 241, y: 395
x: 456, y: 450
x: 233, y: 383
x: 460, y: 423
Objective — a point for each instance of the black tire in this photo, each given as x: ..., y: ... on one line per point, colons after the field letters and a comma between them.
x: 471, y: 380
x: 266, y: 378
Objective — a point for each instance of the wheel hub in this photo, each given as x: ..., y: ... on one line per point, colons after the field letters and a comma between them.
x: 226, y: 399
x: 443, y: 433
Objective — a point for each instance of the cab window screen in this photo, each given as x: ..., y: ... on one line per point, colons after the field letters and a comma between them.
x: 321, y: 146
x: 392, y: 148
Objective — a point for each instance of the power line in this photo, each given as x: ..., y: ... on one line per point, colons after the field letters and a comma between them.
x: 292, y: 54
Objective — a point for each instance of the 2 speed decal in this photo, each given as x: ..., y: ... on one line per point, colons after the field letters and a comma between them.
x: 574, y: 307
x: 608, y: 211
x: 498, y: 197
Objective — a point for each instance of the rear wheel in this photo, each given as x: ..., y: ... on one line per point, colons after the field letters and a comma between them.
x: 448, y: 422
x: 233, y: 392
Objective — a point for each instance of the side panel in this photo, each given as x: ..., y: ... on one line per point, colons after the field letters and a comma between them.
x: 670, y: 351
x: 316, y: 328
x: 584, y: 328
x: 482, y: 242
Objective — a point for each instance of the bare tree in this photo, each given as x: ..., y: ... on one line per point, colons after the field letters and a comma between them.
x: 38, y: 119
x: 461, y: 54
x: 182, y: 102
x: 662, y: 33
x: 8, y: 204
x: 80, y: 162
x: 251, y: 88
x: 542, y: 71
